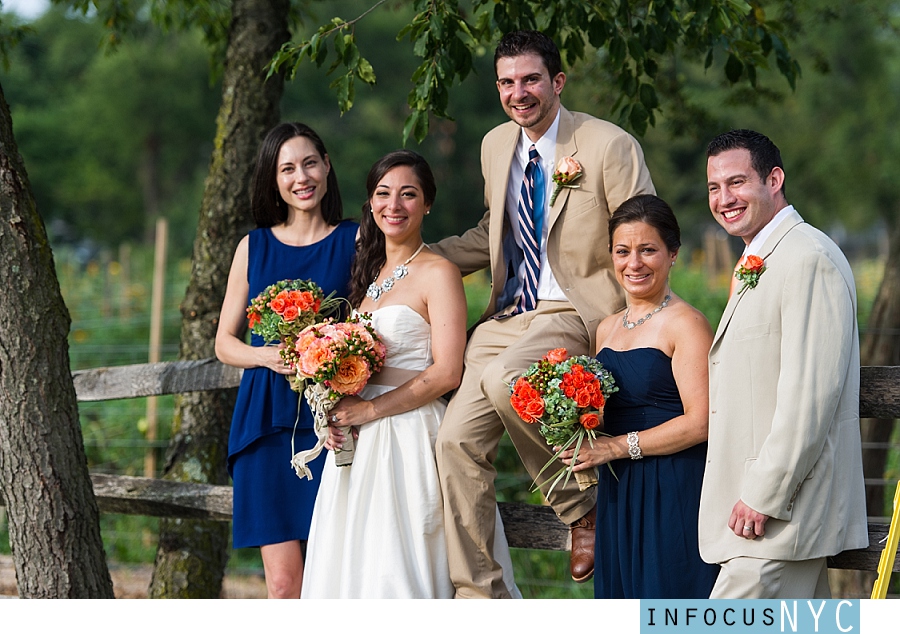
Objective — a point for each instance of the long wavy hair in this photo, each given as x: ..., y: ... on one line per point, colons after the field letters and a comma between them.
x: 266, y: 204
x: 370, y: 254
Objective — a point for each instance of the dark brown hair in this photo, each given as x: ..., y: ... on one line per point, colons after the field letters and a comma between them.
x: 266, y: 204
x: 518, y: 43
x: 370, y: 255
x: 764, y: 155
x: 651, y: 210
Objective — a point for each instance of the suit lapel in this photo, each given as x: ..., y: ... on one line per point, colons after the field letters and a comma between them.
x: 565, y: 146
x: 791, y: 221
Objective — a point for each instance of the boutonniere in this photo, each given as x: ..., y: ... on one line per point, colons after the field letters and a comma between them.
x: 749, y: 271
x: 568, y: 170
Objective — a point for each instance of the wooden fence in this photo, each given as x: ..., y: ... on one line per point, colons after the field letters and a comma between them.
x: 527, y: 525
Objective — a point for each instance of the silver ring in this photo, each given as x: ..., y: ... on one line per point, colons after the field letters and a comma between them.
x: 748, y: 527
x: 334, y: 418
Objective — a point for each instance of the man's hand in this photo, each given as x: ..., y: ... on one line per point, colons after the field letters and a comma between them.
x: 747, y: 523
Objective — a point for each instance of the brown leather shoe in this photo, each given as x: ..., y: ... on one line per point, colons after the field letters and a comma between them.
x: 582, y: 558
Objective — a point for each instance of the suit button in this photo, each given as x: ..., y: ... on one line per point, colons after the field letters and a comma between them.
x: 790, y: 506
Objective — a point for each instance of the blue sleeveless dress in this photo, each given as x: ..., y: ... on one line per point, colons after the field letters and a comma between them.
x: 646, y: 544
x: 271, y: 504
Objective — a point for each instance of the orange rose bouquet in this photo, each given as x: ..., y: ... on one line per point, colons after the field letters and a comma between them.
x: 285, y: 308
x: 565, y: 396
x: 332, y: 359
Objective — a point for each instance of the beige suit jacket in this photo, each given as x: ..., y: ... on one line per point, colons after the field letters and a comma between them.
x: 784, y: 407
x: 578, y: 241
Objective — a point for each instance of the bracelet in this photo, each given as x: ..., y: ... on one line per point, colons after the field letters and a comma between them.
x: 634, y: 449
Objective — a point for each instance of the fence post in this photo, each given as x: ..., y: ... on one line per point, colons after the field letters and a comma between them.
x: 156, y: 322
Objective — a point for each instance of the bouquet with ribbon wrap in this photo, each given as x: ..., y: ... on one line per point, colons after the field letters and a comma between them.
x: 565, y: 396
x: 332, y: 359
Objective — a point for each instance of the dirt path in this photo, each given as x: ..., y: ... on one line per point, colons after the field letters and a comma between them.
x: 131, y: 582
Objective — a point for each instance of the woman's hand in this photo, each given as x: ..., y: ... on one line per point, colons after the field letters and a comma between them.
x: 351, y: 410
x: 336, y: 437
x: 605, y: 449
x: 270, y: 357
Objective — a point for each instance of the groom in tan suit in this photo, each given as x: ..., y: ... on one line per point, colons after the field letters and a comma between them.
x: 554, y: 300
x: 783, y: 487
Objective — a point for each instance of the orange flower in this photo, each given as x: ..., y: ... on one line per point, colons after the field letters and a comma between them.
x: 307, y: 301
x: 590, y: 420
x: 582, y: 398
x: 753, y: 263
x: 527, y: 401
x: 351, y: 376
x: 534, y: 409
x: 314, y: 356
x: 557, y: 355
x: 278, y: 305
x: 290, y: 313
x: 254, y: 319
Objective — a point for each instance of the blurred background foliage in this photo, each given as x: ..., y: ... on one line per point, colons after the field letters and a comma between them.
x: 113, y: 137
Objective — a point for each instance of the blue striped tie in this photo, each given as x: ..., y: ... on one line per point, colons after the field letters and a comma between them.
x: 530, y: 211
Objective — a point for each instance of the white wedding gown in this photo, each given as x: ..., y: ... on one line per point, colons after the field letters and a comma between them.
x: 377, y: 527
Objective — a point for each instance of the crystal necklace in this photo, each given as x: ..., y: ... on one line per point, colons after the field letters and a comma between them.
x: 374, y: 292
x: 630, y: 325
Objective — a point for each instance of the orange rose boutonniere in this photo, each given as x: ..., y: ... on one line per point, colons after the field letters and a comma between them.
x: 749, y: 271
x: 568, y: 170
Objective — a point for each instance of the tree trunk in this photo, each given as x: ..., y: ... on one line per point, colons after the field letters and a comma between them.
x: 191, y: 556
x: 54, y: 524
x: 879, y: 346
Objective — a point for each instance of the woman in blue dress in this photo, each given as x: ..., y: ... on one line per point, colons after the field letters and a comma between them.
x: 296, y: 204
x: 656, y: 349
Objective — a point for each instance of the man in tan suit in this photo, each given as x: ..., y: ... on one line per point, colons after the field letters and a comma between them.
x: 575, y: 288
x: 783, y: 487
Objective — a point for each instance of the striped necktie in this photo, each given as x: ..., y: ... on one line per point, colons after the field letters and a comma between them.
x: 530, y: 210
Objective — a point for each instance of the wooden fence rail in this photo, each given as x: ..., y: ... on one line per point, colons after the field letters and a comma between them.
x: 526, y: 525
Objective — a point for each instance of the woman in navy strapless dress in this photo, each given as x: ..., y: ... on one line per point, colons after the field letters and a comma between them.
x: 656, y: 349
x: 296, y: 204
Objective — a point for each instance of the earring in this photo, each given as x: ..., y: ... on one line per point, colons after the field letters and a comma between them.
x: 427, y: 211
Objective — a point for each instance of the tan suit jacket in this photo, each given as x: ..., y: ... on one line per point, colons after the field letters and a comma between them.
x: 784, y: 407
x: 578, y: 240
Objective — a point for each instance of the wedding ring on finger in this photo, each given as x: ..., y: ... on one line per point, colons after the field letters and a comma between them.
x: 334, y: 418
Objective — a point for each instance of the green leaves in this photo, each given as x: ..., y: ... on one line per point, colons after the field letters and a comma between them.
x: 631, y: 38
x: 346, y: 57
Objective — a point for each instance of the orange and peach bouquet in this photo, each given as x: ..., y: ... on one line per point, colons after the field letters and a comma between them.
x: 285, y: 308
x: 565, y: 396
x: 332, y: 359
x: 341, y: 355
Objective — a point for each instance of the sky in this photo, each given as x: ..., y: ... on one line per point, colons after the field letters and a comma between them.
x: 26, y: 8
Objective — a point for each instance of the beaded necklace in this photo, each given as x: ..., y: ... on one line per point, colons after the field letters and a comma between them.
x: 374, y: 292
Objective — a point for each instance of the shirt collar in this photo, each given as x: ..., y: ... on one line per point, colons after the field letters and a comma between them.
x: 546, y: 145
x: 760, y: 238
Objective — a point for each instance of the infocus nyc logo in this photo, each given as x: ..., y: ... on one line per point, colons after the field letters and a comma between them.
x: 803, y: 616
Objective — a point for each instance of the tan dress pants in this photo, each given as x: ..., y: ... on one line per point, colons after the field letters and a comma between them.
x: 497, y: 353
x: 750, y: 578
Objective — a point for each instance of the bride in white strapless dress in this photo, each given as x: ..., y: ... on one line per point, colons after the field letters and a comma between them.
x: 378, y: 525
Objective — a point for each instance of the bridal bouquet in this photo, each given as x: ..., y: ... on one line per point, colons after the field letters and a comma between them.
x: 332, y: 359
x: 566, y: 396
x: 285, y: 308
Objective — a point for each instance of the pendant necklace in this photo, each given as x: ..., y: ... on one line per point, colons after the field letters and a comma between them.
x: 630, y: 325
x: 374, y: 292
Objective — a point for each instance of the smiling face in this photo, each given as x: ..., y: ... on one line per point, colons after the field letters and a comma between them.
x: 641, y: 260
x: 528, y: 94
x: 740, y: 199
x: 302, y: 175
x: 398, y: 203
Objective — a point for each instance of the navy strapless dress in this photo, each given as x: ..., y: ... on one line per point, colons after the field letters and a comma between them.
x: 646, y: 544
x: 271, y: 504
